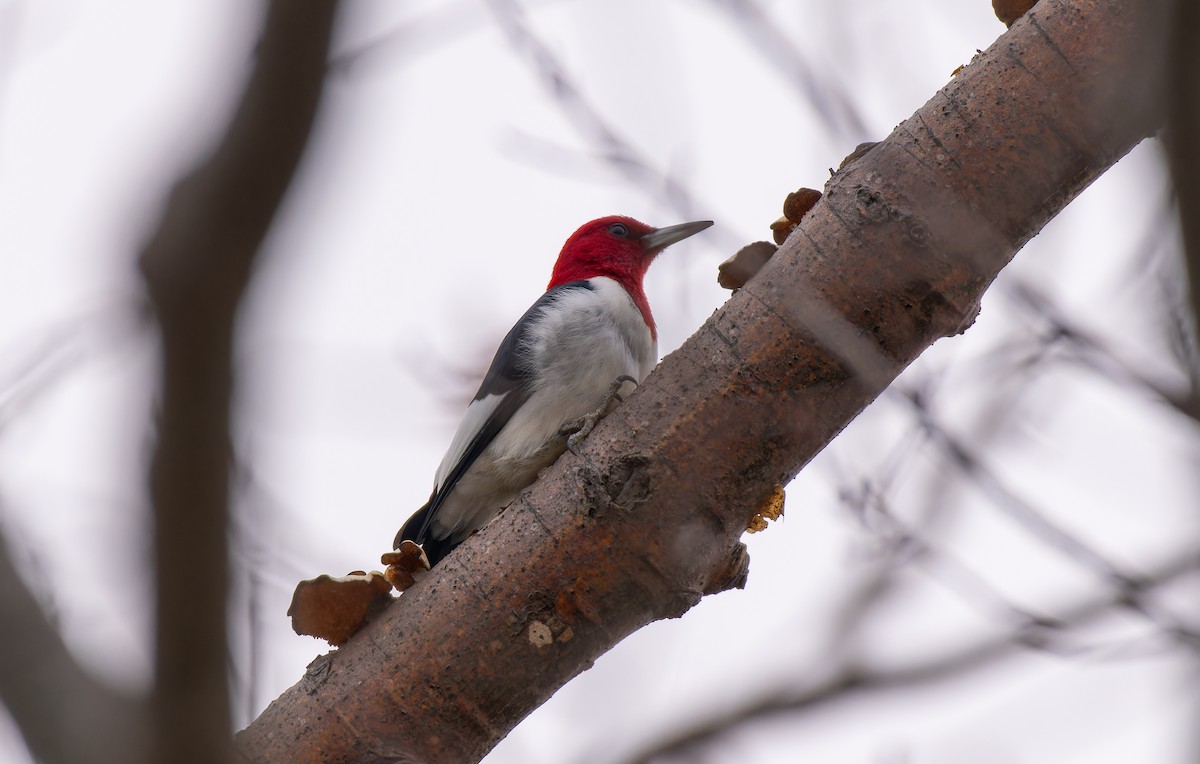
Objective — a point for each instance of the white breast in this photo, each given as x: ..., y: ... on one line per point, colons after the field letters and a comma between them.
x: 589, y: 338
x: 583, y: 342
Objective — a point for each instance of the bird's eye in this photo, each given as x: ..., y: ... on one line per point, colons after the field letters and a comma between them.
x: 616, y: 229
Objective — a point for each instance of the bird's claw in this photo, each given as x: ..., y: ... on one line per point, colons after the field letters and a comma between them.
x: 578, y: 429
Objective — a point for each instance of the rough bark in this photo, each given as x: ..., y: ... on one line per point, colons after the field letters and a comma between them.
x: 647, y: 520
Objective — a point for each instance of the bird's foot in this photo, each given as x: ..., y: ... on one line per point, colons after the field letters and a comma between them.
x: 578, y: 429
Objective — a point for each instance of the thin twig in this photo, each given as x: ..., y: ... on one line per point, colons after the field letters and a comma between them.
x: 1096, y: 354
x: 831, y: 107
x: 619, y: 152
x: 1130, y: 586
x: 846, y: 682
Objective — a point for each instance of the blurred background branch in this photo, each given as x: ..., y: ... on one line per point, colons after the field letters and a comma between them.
x: 65, y: 714
x: 1183, y: 137
x: 843, y: 683
x: 197, y: 267
x: 610, y: 145
x: 830, y: 101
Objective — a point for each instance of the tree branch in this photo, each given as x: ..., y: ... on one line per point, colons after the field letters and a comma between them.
x: 849, y: 680
x: 1183, y: 143
x: 196, y: 268
x: 647, y: 519
x: 64, y: 714
x: 611, y: 146
x: 832, y: 106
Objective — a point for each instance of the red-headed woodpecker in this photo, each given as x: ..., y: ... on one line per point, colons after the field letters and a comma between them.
x: 556, y: 372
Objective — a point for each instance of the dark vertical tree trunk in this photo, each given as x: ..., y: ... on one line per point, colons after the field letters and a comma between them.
x: 197, y: 267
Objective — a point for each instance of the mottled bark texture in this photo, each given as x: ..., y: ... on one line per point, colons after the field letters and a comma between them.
x: 648, y: 518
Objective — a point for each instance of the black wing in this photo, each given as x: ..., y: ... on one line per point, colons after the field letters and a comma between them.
x: 509, y: 376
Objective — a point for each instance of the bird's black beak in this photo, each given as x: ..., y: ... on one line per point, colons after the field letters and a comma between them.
x: 660, y: 238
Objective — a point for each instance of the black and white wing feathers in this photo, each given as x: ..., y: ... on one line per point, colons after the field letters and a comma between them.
x: 505, y: 388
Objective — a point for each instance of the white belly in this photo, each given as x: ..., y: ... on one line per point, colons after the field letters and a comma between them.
x: 590, y: 339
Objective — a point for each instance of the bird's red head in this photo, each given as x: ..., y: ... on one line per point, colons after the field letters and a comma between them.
x: 622, y: 249
x: 609, y: 246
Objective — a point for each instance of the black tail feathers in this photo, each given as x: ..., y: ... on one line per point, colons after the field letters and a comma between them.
x: 416, y: 529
